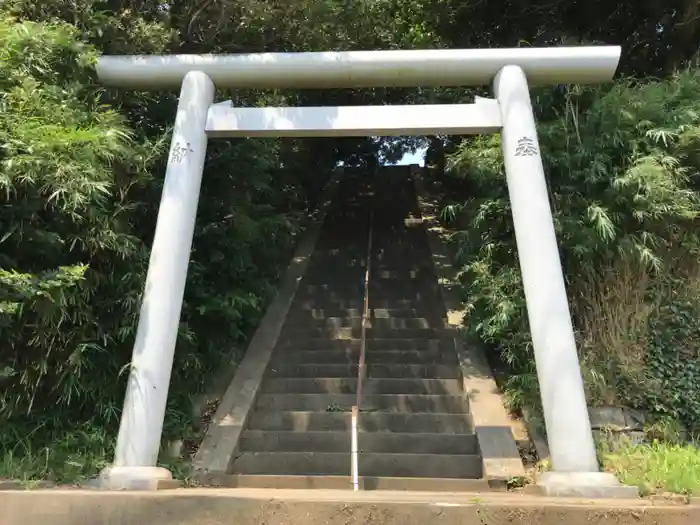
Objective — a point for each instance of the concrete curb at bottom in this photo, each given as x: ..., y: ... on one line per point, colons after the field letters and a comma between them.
x: 220, y: 443
x: 501, y: 457
x: 280, y: 507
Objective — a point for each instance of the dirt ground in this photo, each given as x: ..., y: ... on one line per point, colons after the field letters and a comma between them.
x: 218, y: 507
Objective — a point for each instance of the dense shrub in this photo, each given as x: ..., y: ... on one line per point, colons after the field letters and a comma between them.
x: 79, y: 196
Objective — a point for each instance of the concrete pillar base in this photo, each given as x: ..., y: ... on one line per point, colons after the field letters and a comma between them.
x: 585, y: 485
x: 134, y: 478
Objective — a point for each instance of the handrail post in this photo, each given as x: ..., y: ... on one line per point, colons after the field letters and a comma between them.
x: 353, y: 451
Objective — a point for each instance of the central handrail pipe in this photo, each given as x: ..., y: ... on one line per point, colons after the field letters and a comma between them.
x: 361, y: 368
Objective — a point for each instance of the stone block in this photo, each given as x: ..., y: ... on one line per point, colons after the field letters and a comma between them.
x: 635, y: 419
x: 607, y: 417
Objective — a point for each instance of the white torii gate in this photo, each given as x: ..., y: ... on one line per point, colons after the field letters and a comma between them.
x: 511, y: 72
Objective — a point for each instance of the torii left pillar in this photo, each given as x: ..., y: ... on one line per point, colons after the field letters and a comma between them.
x: 141, y: 426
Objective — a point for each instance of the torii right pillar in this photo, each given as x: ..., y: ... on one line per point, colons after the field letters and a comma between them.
x: 575, y: 470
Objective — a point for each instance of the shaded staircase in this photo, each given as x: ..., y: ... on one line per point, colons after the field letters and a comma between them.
x: 415, y: 430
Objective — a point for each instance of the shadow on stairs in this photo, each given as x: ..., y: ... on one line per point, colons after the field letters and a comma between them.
x: 286, y: 420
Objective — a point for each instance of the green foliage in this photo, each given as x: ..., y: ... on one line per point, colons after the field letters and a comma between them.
x: 674, y: 348
x: 65, y: 223
x: 622, y: 166
x: 78, y: 209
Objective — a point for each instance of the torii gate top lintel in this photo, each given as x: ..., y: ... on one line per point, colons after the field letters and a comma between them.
x: 355, y: 69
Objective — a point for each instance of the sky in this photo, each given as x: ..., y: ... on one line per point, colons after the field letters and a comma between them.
x: 413, y: 158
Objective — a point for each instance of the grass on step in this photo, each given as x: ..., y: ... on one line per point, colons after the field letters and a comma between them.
x: 657, y: 467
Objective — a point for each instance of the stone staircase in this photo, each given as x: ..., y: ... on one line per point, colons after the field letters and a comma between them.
x: 415, y: 429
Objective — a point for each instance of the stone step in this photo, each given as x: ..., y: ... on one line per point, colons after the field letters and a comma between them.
x: 406, y: 323
x: 339, y: 251
x: 328, y: 268
x: 309, y: 303
x: 429, y: 300
x: 339, y: 225
x: 344, y: 252
x: 316, y: 343
x: 336, y: 232
x: 304, y: 295
x: 370, y: 402
x: 339, y: 280
x: 299, y: 331
x: 422, y: 264
x: 400, y: 233
x: 415, y: 248
x: 407, y: 343
x: 404, y: 269
x: 329, y: 323
x: 315, y: 314
x: 373, y: 370
x: 286, y: 441
x: 347, y: 259
x: 355, y: 323
x: 401, y: 313
x: 404, y: 333
x: 412, y: 357
x: 314, y: 303
x: 408, y: 274
x: 452, y: 485
x: 302, y: 314
x: 352, y: 356
x: 395, y: 422
x: 353, y: 307
x: 380, y: 287
x: 370, y: 464
x: 339, y: 385
x: 352, y: 264
x: 424, y: 299
x: 401, y: 238
x: 332, y: 277
x: 374, y: 442
x: 393, y: 343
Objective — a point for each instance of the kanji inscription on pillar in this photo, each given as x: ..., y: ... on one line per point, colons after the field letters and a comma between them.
x: 179, y: 152
x: 526, y: 147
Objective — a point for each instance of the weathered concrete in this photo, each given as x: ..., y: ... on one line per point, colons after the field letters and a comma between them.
x: 409, y: 465
x: 450, y: 485
x: 350, y: 356
x: 375, y: 370
x: 370, y: 402
x: 372, y: 442
x: 536, y: 434
x: 220, y: 442
x: 332, y: 507
x: 369, y: 422
x: 585, y: 485
x: 342, y: 385
x: 492, y: 423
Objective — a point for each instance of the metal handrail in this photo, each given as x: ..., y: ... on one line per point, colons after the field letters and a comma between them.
x: 361, y: 364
